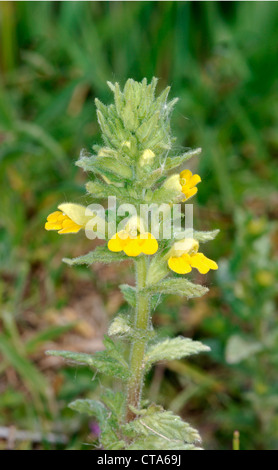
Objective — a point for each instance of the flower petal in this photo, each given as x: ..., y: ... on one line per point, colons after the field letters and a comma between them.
x: 115, y: 243
x: 202, y: 263
x: 195, y: 179
x: 188, y: 192
x: 77, y: 213
x: 73, y: 228
x: 61, y: 222
x: 186, y: 174
x: 52, y: 226
x: 54, y: 216
x: 179, y: 264
x: 149, y: 245
x: 132, y: 248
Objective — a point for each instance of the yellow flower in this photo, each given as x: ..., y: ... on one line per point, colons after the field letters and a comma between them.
x: 69, y: 219
x: 184, y: 182
x: 188, y: 183
x: 133, y: 245
x: 61, y: 222
x: 184, y: 256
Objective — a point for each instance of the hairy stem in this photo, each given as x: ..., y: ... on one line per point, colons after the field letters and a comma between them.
x: 141, y: 324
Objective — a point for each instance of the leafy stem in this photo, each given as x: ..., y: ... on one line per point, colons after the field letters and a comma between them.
x: 138, y: 347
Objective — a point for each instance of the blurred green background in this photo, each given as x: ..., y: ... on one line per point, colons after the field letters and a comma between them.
x: 221, y: 60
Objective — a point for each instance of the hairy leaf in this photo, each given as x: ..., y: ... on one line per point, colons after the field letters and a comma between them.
x: 163, y: 195
x: 158, y: 443
x: 103, y: 361
x: 201, y: 237
x: 173, y: 162
x: 100, y: 255
x: 119, y: 326
x: 114, y: 350
x: 111, y: 441
x: 91, y: 408
x: 106, y: 165
x: 114, y: 401
x: 204, y: 237
x: 101, y: 190
x: 178, y: 286
x: 108, y: 438
x: 171, y: 349
x: 129, y: 293
x: 163, y: 425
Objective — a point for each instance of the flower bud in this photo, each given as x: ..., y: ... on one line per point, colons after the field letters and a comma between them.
x: 146, y: 157
x: 173, y: 183
x: 186, y: 245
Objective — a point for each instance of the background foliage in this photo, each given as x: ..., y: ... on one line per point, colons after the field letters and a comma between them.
x: 221, y: 61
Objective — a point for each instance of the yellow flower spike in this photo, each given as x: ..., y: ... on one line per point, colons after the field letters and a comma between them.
x: 188, y: 182
x: 184, y: 256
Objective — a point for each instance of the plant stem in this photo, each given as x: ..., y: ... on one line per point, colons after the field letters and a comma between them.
x: 141, y: 326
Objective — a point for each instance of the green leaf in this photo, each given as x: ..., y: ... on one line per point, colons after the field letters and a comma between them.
x: 158, y: 268
x: 120, y: 326
x: 101, y: 190
x: 114, y: 349
x: 129, y: 293
x: 111, y: 441
x: 159, y: 427
x: 103, y: 361
x: 173, y: 162
x: 204, y: 237
x: 158, y: 443
x: 163, y: 195
x: 177, y: 286
x: 109, y: 438
x: 91, y: 408
x: 239, y: 348
x: 100, y: 255
x: 75, y: 357
x: 149, y: 180
x: 106, y: 165
x: 171, y: 349
x: 114, y: 401
x: 201, y: 237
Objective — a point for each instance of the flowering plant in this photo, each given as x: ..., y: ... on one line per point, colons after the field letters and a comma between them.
x: 132, y: 167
